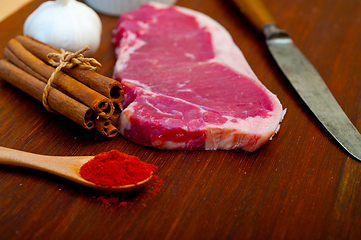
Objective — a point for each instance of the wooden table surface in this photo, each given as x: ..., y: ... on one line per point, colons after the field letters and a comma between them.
x: 300, y: 185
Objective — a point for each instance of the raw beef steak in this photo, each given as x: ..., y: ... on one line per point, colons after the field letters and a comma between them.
x: 187, y: 85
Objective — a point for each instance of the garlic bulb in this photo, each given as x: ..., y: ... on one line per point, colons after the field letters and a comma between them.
x: 66, y: 24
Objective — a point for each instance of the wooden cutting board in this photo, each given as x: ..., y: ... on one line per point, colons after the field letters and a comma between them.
x: 300, y: 185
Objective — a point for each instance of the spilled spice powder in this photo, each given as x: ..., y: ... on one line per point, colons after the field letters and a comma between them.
x: 116, y: 169
x: 110, y: 200
x: 123, y: 204
x: 157, y: 183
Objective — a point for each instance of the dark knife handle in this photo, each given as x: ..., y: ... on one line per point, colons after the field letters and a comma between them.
x: 258, y: 15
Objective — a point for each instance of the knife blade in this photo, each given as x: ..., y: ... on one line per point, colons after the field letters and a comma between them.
x: 303, y: 77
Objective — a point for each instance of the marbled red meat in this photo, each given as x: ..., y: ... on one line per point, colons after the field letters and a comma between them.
x: 187, y: 85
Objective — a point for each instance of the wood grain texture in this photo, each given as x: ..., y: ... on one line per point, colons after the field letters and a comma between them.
x: 300, y: 185
x: 9, y: 7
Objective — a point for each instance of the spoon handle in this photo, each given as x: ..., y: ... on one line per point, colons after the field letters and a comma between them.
x: 66, y: 167
x: 61, y: 166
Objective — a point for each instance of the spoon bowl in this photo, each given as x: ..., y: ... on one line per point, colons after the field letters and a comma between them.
x: 64, y: 166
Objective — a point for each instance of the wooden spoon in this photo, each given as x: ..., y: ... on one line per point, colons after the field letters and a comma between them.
x: 66, y: 167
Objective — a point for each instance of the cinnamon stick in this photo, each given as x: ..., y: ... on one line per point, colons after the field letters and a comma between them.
x: 102, y: 84
x: 118, y: 108
x: 96, y: 101
x: 57, y: 100
x: 16, y: 61
x: 105, y: 127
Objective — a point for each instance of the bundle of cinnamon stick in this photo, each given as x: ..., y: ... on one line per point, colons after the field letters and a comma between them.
x: 82, y: 95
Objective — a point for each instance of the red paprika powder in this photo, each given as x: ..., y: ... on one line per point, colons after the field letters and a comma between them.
x: 116, y: 169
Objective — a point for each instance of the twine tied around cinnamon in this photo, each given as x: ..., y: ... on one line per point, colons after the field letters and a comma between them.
x: 67, y: 60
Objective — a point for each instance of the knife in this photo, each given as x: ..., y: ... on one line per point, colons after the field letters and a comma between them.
x: 303, y: 76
